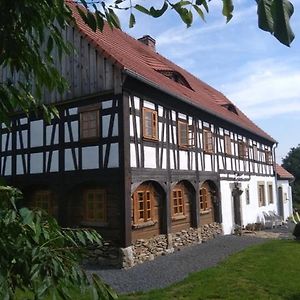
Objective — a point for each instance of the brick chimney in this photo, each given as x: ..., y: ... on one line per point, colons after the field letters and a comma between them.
x: 149, y: 41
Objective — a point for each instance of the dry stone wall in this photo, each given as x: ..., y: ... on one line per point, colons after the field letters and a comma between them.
x: 147, y: 249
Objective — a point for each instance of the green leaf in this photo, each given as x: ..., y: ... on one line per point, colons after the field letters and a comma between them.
x: 91, y: 21
x: 156, y: 13
x: 282, y: 10
x: 142, y: 9
x: 227, y: 9
x: 199, y: 11
x: 131, y: 20
x: 265, y: 18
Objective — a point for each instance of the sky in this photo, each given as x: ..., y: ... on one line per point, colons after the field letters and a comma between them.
x: 249, y: 66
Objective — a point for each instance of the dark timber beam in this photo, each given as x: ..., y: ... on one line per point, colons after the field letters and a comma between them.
x: 124, y: 159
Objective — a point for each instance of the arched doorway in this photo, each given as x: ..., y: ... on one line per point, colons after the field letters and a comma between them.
x: 147, y: 208
x: 181, y: 201
x: 209, y: 204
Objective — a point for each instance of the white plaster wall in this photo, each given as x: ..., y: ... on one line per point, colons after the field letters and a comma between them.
x: 106, y: 104
x: 7, y: 171
x: 208, y: 166
x: 36, y: 133
x: 150, y: 157
x: 227, y: 207
x: 133, y: 162
x: 36, y: 163
x: 183, y: 160
x: 90, y: 157
x: 49, y: 129
x: 250, y: 213
x: 113, y: 160
x: 287, y: 198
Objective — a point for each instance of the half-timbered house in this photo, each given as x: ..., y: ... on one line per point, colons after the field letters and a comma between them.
x: 141, y: 146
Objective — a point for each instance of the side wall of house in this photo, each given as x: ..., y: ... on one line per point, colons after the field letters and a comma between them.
x: 166, y: 162
x: 287, y: 200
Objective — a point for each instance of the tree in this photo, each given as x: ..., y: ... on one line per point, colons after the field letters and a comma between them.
x: 292, y: 164
x: 39, y: 257
x: 30, y: 30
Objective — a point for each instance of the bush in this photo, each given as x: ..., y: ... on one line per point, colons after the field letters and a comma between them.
x: 40, y: 257
x: 296, y: 232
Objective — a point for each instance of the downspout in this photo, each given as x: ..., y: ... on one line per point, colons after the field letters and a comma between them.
x: 276, y: 180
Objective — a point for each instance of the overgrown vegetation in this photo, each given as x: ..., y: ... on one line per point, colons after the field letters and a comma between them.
x: 267, y: 271
x: 292, y: 164
x: 39, y: 258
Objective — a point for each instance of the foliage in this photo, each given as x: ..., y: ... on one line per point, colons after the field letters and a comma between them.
x: 40, y: 257
x: 273, y: 15
x: 267, y: 271
x: 292, y: 164
x: 296, y: 232
x: 30, y: 30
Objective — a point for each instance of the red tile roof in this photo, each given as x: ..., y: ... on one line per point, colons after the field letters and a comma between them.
x: 135, y: 58
x: 283, y: 173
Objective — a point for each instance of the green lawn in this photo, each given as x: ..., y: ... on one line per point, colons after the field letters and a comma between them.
x: 267, y: 271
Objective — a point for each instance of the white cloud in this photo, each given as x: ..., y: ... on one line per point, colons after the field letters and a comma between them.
x: 265, y: 88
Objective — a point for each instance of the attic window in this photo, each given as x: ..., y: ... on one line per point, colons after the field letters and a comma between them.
x: 175, y: 76
x: 231, y: 108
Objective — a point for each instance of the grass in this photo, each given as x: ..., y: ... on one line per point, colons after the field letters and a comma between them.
x: 267, y: 271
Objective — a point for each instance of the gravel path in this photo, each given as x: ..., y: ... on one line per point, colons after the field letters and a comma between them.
x: 174, y: 267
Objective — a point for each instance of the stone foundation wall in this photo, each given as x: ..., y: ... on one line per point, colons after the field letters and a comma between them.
x: 147, y: 249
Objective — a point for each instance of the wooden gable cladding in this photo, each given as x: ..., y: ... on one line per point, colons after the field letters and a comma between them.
x: 87, y: 70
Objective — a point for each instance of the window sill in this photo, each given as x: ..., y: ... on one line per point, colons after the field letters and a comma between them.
x: 208, y: 152
x: 149, y: 139
x: 179, y: 217
x: 94, y: 224
x: 205, y: 212
x: 144, y: 224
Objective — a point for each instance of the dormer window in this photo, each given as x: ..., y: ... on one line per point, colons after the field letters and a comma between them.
x: 175, y: 76
x: 230, y: 107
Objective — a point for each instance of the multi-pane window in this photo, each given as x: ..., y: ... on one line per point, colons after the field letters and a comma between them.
x: 227, y: 142
x: 89, y: 124
x: 185, y: 134
x: 261, y: 194
x: 150, y: 124
x: 255, y: 153
x: 208, y: 145
x: 178, y: 202
x: 95, y: 205
x: 242, y: 149
x: 143, y: 206
x: 205, y: 199
x: 270, y: 193
x: 43, y: 200
x: 268, y: 157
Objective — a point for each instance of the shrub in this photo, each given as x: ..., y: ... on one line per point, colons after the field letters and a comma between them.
x: 40, y: 257
x: 296, y: 232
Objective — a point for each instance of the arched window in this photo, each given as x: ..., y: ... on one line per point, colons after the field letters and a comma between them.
x: 43, y: 199
x: 178, y: 208
x: 95, y: 205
